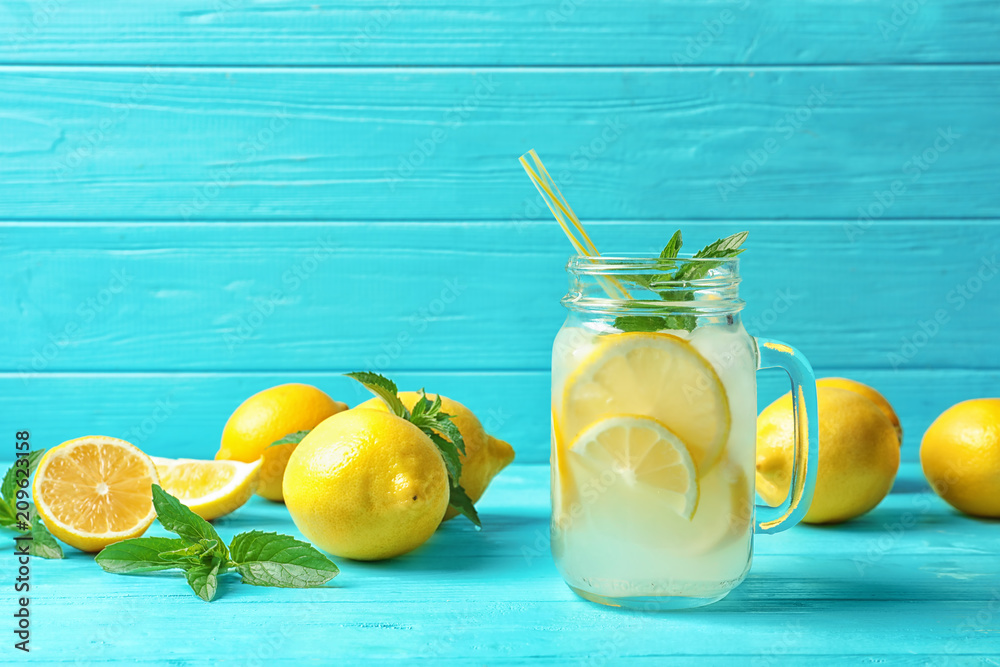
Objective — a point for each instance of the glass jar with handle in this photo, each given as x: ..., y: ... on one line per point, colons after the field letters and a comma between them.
x: 653, y: 432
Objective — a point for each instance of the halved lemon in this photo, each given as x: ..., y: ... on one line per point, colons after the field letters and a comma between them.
x: 209, y: 488
x: 636, y: 461
x: 654, y: 375
x: 94, y: 491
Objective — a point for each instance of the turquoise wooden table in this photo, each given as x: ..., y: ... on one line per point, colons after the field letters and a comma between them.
x: 203, y: 198
x: 911, y: 583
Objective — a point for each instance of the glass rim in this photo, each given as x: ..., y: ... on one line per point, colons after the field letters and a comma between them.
x: 643, y: 258
x: 714, y: 290
x: 723, y: 270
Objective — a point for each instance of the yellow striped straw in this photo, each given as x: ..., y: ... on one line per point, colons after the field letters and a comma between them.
x: 566, y: 218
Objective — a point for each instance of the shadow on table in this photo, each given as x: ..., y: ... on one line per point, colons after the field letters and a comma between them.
x: 922, y: 510
x: 507, y: 542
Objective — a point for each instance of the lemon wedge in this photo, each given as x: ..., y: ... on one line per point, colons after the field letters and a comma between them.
x: 639, y: 462
x: 653, y: 375
x: 210, y: 488
x: 94, y: 491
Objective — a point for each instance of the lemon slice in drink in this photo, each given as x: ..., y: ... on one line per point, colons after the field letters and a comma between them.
x: 94, y: 491
x: 209, y: 488
x: 654, y: 375
x: 723, y: 517
x: 638, y: 460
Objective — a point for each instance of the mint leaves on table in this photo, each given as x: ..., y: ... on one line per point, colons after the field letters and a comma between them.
x: 262, y: 559
x: 428, y: 417
x: 15, y: 489
x: 722, y: 249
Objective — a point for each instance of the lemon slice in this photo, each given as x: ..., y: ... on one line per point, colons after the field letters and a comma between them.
x: 94, y: 491
x: 210, y: 488
x: 650, y: 465
x: 655, y: 375
x: 723, y: 519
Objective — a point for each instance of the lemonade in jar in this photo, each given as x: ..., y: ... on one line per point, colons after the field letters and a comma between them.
x: 654, y: 397
x: 653, y: 429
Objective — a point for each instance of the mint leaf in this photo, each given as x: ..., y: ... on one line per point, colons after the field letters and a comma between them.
x: 384, y: 388
x: 680, y: 322
x: 8, y: 518
x: 427, y: 416
x: 203, y: 579
x: 9, y: 486
x: 673, y: 246
x: 262, y: 559
x: 655, y: 322
x: 424, y: 405
x: 443, y: 423
x: 437, y: 425
x: 192, y: 554
x: 290, y: 439
x: 668, y: 254
x: 640, y: 323
x: 42, y: 543
x: 461, y: 502
x: 726, y: 248
x: 140, y: 554
x: 269, y: 559
x: 177, y: 518
x: 450, y: 455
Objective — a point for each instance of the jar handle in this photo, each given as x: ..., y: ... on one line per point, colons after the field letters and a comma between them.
x: 775, y: 354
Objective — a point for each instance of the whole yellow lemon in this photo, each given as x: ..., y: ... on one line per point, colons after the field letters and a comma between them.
x: 485, y: 456
x: 858, y: 455
x: 960, y: 455
x: 366, y: 485
x: 871, y: 394
x: 268, y: 416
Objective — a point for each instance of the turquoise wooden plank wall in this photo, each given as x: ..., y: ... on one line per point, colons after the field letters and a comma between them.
x: 199, y: 199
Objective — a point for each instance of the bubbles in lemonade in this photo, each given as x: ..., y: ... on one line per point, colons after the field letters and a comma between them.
x: 646, y: 428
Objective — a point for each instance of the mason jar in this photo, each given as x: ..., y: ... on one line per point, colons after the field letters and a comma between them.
x: 654, y: 405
